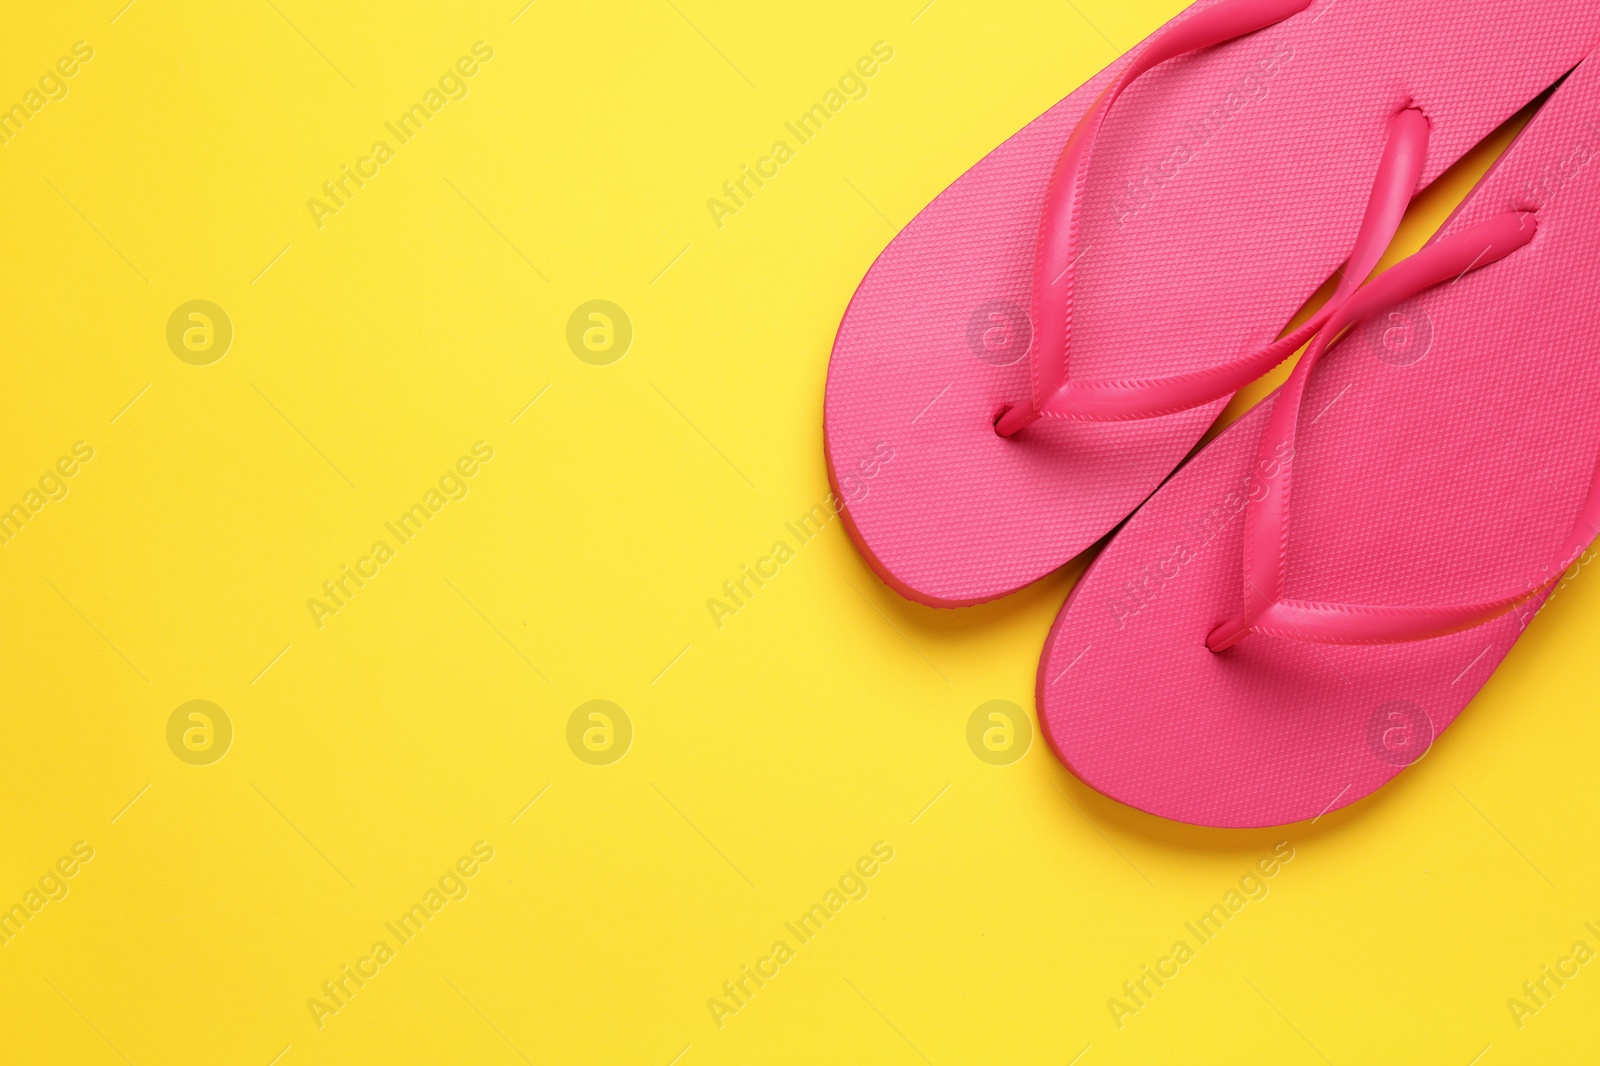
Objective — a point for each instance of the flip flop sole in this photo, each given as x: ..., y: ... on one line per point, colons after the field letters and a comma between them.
x: 1445, y: 450
x: 1226, y: 188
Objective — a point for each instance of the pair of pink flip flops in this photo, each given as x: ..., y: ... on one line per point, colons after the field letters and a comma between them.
x: 1045, y: 343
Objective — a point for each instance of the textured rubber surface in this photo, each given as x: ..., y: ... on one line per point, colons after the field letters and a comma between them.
x: 1445, y: 453
x: 1226, y: 188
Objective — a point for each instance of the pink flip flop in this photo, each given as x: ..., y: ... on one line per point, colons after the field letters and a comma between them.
x: 1243, y: 656
x: 1240, y: 156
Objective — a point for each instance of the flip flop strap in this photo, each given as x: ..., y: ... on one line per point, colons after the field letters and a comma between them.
x: 1057, y: 254
x: 1267, y: 510
x: 1398, y: 173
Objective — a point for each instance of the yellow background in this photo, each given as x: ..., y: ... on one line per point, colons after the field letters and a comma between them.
x: 826, y: 715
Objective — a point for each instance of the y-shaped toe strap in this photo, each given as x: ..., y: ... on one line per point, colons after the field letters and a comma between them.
x: 1267, y: 512
x: 1057, y: 255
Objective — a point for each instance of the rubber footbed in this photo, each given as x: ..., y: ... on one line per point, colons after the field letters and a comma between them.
x: 1445, y: 479
x: 1216, y: 257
